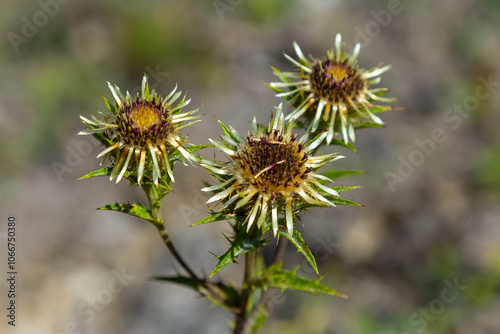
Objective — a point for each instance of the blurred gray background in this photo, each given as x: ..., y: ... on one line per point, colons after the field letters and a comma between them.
x: 422, y: 256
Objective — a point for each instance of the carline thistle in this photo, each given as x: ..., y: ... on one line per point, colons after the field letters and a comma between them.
x: 333, y: 93
x: 269, y: 173
x: 141, y: 133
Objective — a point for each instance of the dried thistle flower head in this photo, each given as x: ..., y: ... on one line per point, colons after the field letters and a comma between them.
x: 141, y: 133
x: 269, y: 173
x: 334, y: 89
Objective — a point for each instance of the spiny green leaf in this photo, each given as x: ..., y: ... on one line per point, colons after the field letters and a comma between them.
x: 136, y: 210
x: 181, y: 280
x: 102, y: 138
x: 278, y: 73
x: 368, y: 125
x: 215, y: 216
x: 380, y: 109
x: 220, y: 294
x: 260, y: 320
x: 276, y: 278
x: 109, y: 105
x: 336, y: 141
x: 342, y: 201
x: 296, y: 239
x: 337, y: 174
x: 261, y: 310
x: 106, y: 171
x: 382, y: 93
x: 241, y: 244
x: 195, y: 148
x: 226, y: 130
x: 275, y: 89
x: 340, y: 189
x: 334, y: 199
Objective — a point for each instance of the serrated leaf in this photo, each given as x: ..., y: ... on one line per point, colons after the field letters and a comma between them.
x: 195, y: 148
x: 241, y: 244
x: 109, y: 105
x: 275, y: 89
x: 225, y: 129
x: 382, y: 92
x: 260, y: 320
x: 216, y: 216
x: 337, y: 174
x: 342, y: 201
x: 296, y: 239
x: 136, y: 210
x: 368, y: 125
x: 334, y: 199
x: 220, y: 294
x: 278, y: 73
x: 103, y: 139
x: 181, y: 280
x: 276, y: 278
x: 336, y: 141
x: 340, y: 189
x: 380, y: 109
x: 106, y: 171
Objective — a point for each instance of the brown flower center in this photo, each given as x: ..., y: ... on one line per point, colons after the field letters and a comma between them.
x: 273, y: 165
x: 336, y: 82
x: 141, y: 122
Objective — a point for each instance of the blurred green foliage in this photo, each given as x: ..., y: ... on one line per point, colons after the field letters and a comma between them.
x: 488, y: 172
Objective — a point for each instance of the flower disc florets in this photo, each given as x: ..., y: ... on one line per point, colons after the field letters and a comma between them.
x: 273, y: 164
x: 141, y: 133
x: 334, y: 89
x: 270, y: 172
x: 141, y: 122
x: 336, y: 82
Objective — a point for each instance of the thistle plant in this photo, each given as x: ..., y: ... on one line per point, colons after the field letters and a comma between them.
x: 274, y: 166
x: 333, y: 93
x: 268, y: 179
x: 139, y: 132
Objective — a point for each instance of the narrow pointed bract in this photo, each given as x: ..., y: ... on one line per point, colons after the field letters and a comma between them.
x: 330, y: 89
x: 142, y: 132
x: 269, y: 173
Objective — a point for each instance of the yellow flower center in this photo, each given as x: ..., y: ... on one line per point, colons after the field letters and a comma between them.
x: 337, y: 72
x: 273, y: 165
x: 144, y: 116
x: 337, y: 82
x: 142, y: 122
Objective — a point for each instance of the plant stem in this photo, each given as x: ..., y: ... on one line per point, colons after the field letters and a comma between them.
x: 168, y: 242
x: 242, y: 324
x: 277, y: 258
x: 154, y: 198
x: 155, y: 194
x: 280, y: 250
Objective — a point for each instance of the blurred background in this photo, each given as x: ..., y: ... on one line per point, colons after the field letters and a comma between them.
x: 422, y: 256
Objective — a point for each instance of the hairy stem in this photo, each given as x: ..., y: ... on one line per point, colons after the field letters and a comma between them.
x: 242, y: 323
x: 154, y: 198
x: 168, y: 242
x: 277, y: 258
x: 280, y: 251
x: 212, y: 291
